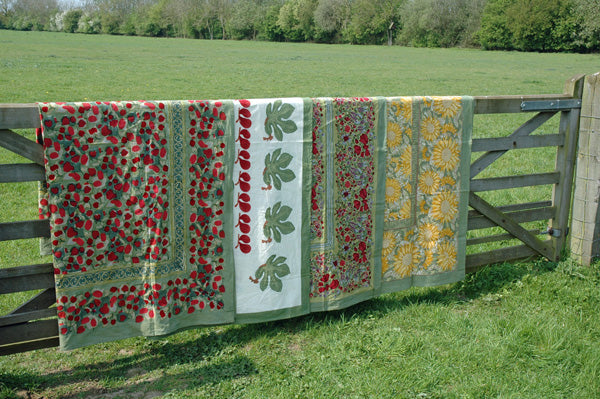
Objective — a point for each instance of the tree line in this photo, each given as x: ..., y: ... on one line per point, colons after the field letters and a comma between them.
x: 526, y: 25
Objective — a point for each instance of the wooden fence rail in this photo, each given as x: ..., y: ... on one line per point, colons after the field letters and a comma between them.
x: 33, y: 324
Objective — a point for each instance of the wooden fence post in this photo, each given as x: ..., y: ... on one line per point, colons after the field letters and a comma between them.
x: 585, y: 226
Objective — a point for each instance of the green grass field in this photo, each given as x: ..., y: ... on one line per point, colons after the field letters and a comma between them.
x: 516, y: 330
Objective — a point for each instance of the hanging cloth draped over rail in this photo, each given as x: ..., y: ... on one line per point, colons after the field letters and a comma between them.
x: 171, y: 214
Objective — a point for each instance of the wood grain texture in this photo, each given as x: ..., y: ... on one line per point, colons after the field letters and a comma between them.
x: 23, y: 230
x: 525, y: 129
x: 544, y: 248
x: 508, y: 143
x: 20, y: 145
x: 506, y: 182
x: 584, y: 243
x: 28, y: 331
x: 21, y: 172
x: 50, y: 342
x: 19, y: 116
x: 476, y: 261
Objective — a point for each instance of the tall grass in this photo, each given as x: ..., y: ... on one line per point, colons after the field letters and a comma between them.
x: 521, y: 330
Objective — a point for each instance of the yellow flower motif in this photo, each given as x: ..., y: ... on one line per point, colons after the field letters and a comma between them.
x: 423, y: 207
x: 393, y: 190
x: 430, y: 128
x: 406, y: 259
x: 394, y: 134
x: 388, y: 244
x: 429, y: 182
x: 446, y: 258
x: 428, y: 259
x: 445, y: 154
x: 405, y: 210
x: 448, y: 107
x: 447, y: 232
x: 385, y: 264
x: 408, y: 235
x: 391, y: 215
x: 406, y: 161
x: 449, y: 128
x: 403, y: 108
x: 444, y: 206
x: 447, y: 180
x: 429, y: 233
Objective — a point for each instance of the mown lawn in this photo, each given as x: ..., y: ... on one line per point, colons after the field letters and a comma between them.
x: 523, y: 330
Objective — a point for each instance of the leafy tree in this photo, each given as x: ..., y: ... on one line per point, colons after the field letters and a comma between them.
x: 296, y: 19
x: 245, y: 17
x: 6, y: 11
x: 33, y: 14
x: 332, y: 18
x: 71, y: 20
x: 587, y: 12
x: 363, y: 28
x: 89, y: 24
x: 531, y: 23
x: 268, y: 27
x: 439, y: 23
x: 495, y: 33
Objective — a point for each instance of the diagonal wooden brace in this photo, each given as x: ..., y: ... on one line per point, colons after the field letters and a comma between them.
x: 22, y: 146
x: 524, y: 130
x: 485, y: 208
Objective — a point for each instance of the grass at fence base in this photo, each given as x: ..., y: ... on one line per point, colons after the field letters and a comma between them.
x: 523, y: 330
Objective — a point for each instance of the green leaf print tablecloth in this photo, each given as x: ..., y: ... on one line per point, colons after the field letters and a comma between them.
x: 172, y: 214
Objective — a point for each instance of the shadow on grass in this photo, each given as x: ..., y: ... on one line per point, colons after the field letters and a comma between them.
x: 88, y: 380
x: 217, y: 347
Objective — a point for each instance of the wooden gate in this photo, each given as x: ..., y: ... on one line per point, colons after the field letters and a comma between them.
x: 33, y: 324
x: 511, y: 217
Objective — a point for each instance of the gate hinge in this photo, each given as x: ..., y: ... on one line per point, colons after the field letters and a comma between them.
x: 550, y: 105
x: 552, y: 232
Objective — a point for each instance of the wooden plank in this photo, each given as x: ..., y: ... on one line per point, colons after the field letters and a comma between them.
x: 482, y: 222
x: 20, y: 271
x: 510, y: 104
x: 28, y: 331
x: 508, y: 143
x: 20, y: 145
x: 24, y: 230
x: 585, y: 222
x: 43, y: 279
x: 476, y: 261
x: 21, y: 172
x: 19, y: 116
x: 504, y: 221
x: 525, y: 129
x: 516, y: 207
x: 43, y: 300
x: 565, y: 163
x: 25, y: 317
x: 496, y: 238
x: 506, y: 182
x: 29, y: 346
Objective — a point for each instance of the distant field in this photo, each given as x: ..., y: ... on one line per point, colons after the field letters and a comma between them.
x: 524, y: 330
x: 42, y: 66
